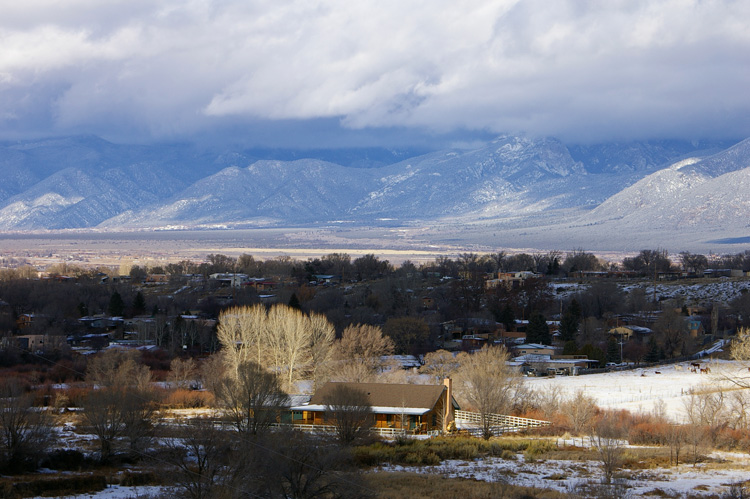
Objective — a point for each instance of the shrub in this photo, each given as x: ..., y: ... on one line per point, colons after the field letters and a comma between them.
x: 537, y: 448
x: 65, y: 460
x: 59, y: 487
x: 188, y: 399
x: 76, y: 395
x: 372, y: 455
x: 133, y: 479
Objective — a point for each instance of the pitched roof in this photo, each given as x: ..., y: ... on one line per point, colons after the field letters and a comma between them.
x: 387, y: 395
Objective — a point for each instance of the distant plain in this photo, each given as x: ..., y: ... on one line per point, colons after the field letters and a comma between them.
x: 391, y: 240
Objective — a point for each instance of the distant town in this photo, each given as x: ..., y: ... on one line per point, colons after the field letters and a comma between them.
x: 357, y: 350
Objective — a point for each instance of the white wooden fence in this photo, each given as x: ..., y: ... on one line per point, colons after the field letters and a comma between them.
x: 499, y: 423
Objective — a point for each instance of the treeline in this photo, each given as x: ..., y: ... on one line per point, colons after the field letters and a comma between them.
x: 369, y: 266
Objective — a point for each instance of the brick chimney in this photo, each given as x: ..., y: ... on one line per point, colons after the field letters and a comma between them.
x: 449, y: 416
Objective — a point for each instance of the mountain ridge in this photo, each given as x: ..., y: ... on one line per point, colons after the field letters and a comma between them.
x: 87, y: 182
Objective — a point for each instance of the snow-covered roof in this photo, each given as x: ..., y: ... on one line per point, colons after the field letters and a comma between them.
x: 536, y: 346
x: 408, y: 411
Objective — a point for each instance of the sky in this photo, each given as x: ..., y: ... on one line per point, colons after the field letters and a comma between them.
x: 311, y: 73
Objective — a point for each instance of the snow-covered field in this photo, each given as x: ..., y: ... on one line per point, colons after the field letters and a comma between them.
x: 643, y: 390
x: 118, y: 492
x: 567, y: 476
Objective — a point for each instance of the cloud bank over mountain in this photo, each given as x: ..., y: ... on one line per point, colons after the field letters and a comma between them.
x: 299, y: 73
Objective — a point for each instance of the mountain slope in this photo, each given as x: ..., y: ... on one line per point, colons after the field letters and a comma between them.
x: 281, y: 192
x: 458, y: 181
x: 84, y: 182
x: 712, y: 191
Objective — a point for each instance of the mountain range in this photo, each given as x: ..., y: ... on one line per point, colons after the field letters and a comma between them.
x: 87, y: 182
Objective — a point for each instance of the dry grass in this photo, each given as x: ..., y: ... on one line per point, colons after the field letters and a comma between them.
x: 400, y: 485
x: 431, y: 452
x: 635, y: 458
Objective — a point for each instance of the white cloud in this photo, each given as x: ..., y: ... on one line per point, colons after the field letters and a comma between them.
x: 574, y: 69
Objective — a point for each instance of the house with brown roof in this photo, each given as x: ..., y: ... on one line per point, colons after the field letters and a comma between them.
x: 417, y: 408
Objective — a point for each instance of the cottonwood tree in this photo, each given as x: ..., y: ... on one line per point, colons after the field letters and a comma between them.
x: 281, y: 338
x: 359, y: 353
x: 25, y: 433
x: 322, y: 336
x: 139, y: 408
x: 252, y: 399
x: 242, y: 332
x: 439, y: 364
x: 487, y: 383
x: 348, y: 409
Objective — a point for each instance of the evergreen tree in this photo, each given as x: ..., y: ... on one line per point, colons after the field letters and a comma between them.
x: 294, y: 302
x: 593, y: 353
x: 613, y: 351
x: 570, y: 348
x: 568, y: 326
x: 575, y: 309
x: 116, y: 305
x: 139, y: 304
x: 507, y: 318
x: 537, y: 331
x: 653, y: 353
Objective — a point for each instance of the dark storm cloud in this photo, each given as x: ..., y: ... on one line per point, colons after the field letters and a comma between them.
x: 581, y: 71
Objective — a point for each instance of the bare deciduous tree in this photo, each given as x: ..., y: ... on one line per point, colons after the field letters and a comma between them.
x: 182, y: 372
x: 349, y: 410
x: 212, y: 371
x: 439, y: 364
x: 242, y: 333
x: 201, y: 453
x: 294, y: 465
x: 359, y: 353
x: 282, y: 339
x: 322, y: 335
x: 606, y: 438
x: 102, y: 409
x: 118, y: 368
x: 740, y: 351
x: 25, y: 433
x: 252, y: 399
x: 580, y: 410
x: 487, y: 383
x: 675, y: 439
x: 121, y: 403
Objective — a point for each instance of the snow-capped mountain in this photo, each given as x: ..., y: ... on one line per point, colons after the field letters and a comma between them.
x: 268, y: 191
x: 85, y: 182
x: 711, y: 192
